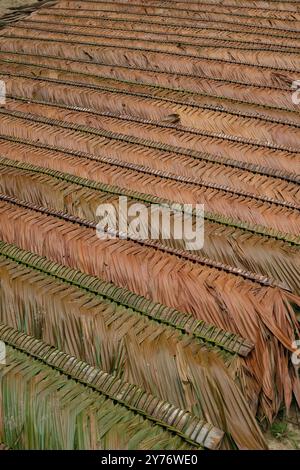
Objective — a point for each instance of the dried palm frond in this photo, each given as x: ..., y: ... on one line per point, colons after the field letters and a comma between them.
x: 109, y: 335
x: 144, y: 179
x: 137, y: 83
x: 264, y: 8
x: 170, y: 8
x: 186, y: 16
x: 263, y: 183
x: 207, y: 118
x: 285, y: 5
x: 141, y: 58
x: 169, y: 103
x: 163, y: 414
x: 67, y: 415
x: 184, y: 33
x: 245, y: 7
x: 65, y: 160
x: 249, y: 55
x: 266, y: 101
x: 223, y: 299
x: 159, y: 34
x: 81, y: 197
x: 186, y: 324
x: 274, y: 160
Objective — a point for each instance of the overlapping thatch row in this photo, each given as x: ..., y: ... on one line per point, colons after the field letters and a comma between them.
x: 185, y: 33
x: 169, y: 102
x: 191, y: 429
x: 268, y: 97
x: 50, y: 156
x: 238, y: 207
x: 283, y: 5
x: 184, y: 323
x: 177, y: 7
x: 219, y: 298
x: 285, y: 60
x: 134, y: 57
x: 81, y: 197
x: 169, y: 24
x: 262, y: 183
x: 183, y: 111
x: 277, y: 185
x: 137, y: 177
x: 238, y: 124
x: 29, y: 66
x: 67, y: 315
x: 67, y: 415
x: 132, y: 12
x: 173, y: 43
x: 182, y: 42
x: 273, y: 156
